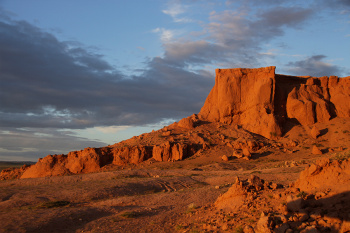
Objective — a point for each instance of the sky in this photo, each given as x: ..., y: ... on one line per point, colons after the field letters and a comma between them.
x: 84, y: 73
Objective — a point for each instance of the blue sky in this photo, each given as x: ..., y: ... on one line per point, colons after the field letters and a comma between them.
x: 90, y: 73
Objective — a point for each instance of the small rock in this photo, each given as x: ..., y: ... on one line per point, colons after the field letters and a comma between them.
x: 283, y: 218
x: 236, y: 154
x: 303, y: 217
x: 315, y: 132
x: 167, y: 133
x: 283, y: 209
x: 224, y: 158
x: 256, y: 182
x: 246, y: 152
x: 187, y: 123
x: 319, y: 195
x: 316, y: 151
x: 264, y: 225
x: 274, y: 186
x: 224, y: 227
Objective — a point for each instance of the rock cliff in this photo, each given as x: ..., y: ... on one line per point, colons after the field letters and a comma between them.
x: 262, y: 101
x: 245, y: 97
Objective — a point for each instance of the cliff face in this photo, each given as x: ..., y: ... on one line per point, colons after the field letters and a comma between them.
x: 319, y: 100
x: 262, y: 101
x: 245, y: 97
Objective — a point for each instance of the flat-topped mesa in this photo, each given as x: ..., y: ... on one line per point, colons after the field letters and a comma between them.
x: 261, y: 101
x: 244, y: 97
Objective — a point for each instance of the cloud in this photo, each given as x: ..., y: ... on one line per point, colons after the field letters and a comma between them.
x: 175, y: 9
x: 233, y: 38
x: 30, y: 143
x: 48, y: 83
x: 165, y: 34
x: 313, y: 66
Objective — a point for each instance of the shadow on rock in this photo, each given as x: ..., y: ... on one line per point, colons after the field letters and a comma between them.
x: 324, y: 211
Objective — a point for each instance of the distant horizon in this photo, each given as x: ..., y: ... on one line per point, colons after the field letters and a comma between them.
x: 77, y: 74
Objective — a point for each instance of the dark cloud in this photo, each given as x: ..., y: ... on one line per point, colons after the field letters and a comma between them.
x: 29, y: 143
x: 337, y: 3
x: 48, y: 83
x: 279, y: 17
x: 344, y: 2
x: 313, y: 66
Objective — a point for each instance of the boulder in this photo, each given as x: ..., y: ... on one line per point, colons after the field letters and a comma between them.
x: 315, y: 132
x: 187, y: 123
x: 316, y: 151
x: 224, y: 158
x: 234, y: 198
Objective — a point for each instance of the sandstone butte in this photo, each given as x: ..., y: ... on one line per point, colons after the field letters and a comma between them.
x: 258, y: 100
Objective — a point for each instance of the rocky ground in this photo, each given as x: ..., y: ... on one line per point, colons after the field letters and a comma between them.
x: 235, y: 182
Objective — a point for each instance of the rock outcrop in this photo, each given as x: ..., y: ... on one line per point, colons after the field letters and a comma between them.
x: 93, y: 159
x: 262, y: 101
x: 170, y: 152
x: 76, y: 162
x: 325, y: 174
x: 134, y: 155
x: 245, y: 97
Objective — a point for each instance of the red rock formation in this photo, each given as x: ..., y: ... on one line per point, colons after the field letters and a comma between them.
x: 170, y: 152
x: 135, y: 155
x: 13, y: 173
x: 325, y: 174
x: 245, y: 97
x: 92, y: 159
x: 319, y: 100
x: 262, y: 101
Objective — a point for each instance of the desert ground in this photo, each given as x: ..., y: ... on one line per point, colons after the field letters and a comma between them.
x: 205, y: 192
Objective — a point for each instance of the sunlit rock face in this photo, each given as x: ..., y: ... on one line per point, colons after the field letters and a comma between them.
x: 262, y: 101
